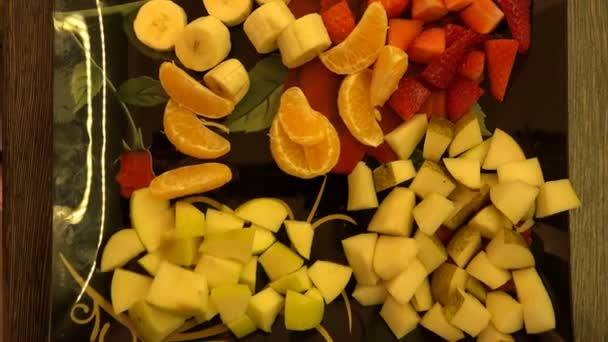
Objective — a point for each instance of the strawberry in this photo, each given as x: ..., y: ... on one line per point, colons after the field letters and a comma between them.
x: 482, y: 16
x: 457, y: 5
x: 452, y: 32
x: 408, y: 98
x: 135, y: 171
x: 501, y: 55
x: 435, y: 104
x: 472, y: 65
x: 339, y: 21
x: 443, y: 68
x: 517, y: 13
x: 428, y: 10
x: 394, y: 8
x: 428, y: 45
x: 402, y: 32
x: 461, y: 95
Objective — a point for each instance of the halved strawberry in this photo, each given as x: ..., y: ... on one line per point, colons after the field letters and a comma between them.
x: 408, y: 98
x: 501, y: 55
x: 394, y: 8
x: 435, y: 104
x: 482, y: 16
x: 428, y: 45
x: 402, y: 32
x: 452, y: 32
x: 428, y: 10
x: 472, y: 65
x: 443, y: 68
x: 461, y: 95
x: 457, y: 5
x: 339, y: 21
x: 517, y: 13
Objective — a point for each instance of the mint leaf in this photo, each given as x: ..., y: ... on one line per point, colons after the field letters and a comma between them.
x: 260, y: 117
x: 481, y: 117
x: 142, y: 91
x: 84, y: 83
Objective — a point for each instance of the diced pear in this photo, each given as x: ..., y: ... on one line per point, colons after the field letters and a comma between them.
x: 151, y: 217
x: 127, y: 289
x: 507, y: 314
x: 508, y: 250
x: 296, y: 281
x: 329, y: 278
x: 435, y: 321
x: 264, y: 307
x: 235, y: 245
x: 361, y: 189
x: 466, y: 204
x: 267, y: 213
x: 539, y: 315
x: 231, y: 301
x: 220, y: 222
x: 466, y: 313
x: 432, y: 178
x: 467, y: 134
x: 439, y: 134
x: 300, y: 233
x: 242, y: 326
x: 183, y: 252
x: 207, y: 312
x: 513, y: 199
x: 489, y: 179
x: 488, y: 221
x: 431, y: 251
x: 490, y: 334
x: 359, y: 250
x: 423, y: 299
x: 478, y: 152
x: 122, y: 246
x: 464, y: 245
x: 392, y: 174
x: 249, y: 273
x: 527, y: 171
x: 394, y: 216
x: 153, y: 324
x: 400, y: 318
x: 189, y: 221
x: 219, y: 271
x: 279, y: 260
x: 368, y: 295
x: 393, y: 254
x: 302, y: 312
x: 503, y: 149
x: 432, y: 212
x: 555, y: 197
x: 481, y: 268
x: 262, y: 239
x: 177, y: 289
x: 446, y: 280
x: 404, y: 285
x: 465, y: 171
x: 404, y: 139
x: 150, y: 262
x: 477, y: 289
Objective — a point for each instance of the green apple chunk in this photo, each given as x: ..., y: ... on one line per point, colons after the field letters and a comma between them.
x: 329, y: 278
x: 439, y: 134
x: 359, y: 250
x: 467, y: 134
x: 404, y: 139
x: 432, y: 212
x: 218, y: 271
x: 466, y: 313
x: 400, y: 318
x: 218, y: 222
x: 267, y: 213
x: 122, y: 246
x: 279, y: 260
x: 466, y: 204
x: 151, y: 217
x: 150, y: 262
x: 489, y: 221
x: 394, y: 216
x: 481, y: 268
x: 242, y: 326
x: 423, y: 299
x: 296, y: 281
x: 513, y: 199
x: 527, y: 171
x: 361, y: 189
x: 403, y: 287
x: 555, y: 197
x: 368, y: 295
x: 446, y: 280
x: 231, y: 301
x: 508, y: 250
x: 128, y: 288
x: 392, y: 174
x: 183, y: 252
x: 300, y: 233
x: 477, y: 289
x: 189, y: 221
x: 431, y: 251
x: 489, y: 179
x: 507, y: 314
x: 263, y: 239
x: 249, y: 273
x: 435, y: 321
x: 393, y: 254
x: 154, y: 324
x: 478, y: 152
x: 235, y: 244
x: 539, y: 315
x: 503, y: 149
x: 490, y: 334
x: 464, y: 245
x: 466, y: 171
x: 264, y: 307
x: 302, y: 312
x: 432, y: 178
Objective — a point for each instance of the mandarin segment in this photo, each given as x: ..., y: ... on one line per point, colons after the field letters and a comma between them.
x: 322, y: 157
x: 189, y: 180
x: 288, y: 155
x: 302, y: 124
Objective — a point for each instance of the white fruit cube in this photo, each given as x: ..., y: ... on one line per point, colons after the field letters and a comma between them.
x: 404, y: 285
x: 503, y: 149
x: 400, y: 318
x: 555, y: 197
x: 393, y: 254
x: 527, y: 171
x: 477, y: 289
x: 150, y: 262
x: 466, y: 313
x: 481, y: 268
x: 122, y: 246
x: 178, y: 290
x: 513, y: 199
x: 183, y: 252
x: 303, y: 312
x: 432, y: 178
x: 478, y: 152
x: 489, y: 221
x: 329, y: 278
x: 218, y: 271
x: 249, y: 273
x: 464, y: 245
x: 368, y: 295
x: 423, y: 299
x: 127, y: 289
x: 489, y: 179
x: 465, y: 171
x: 392, y: 174
x: 154, y: 324
x: 300, y: 233
x: 361, y: 189
x: 189, y: 221
x: 151, y: 217
x: 439, y: 134
x: 302, y: 40
x: 394, y: 216
x: 467, y: 134
x: 539, y: 315
x: 234, y: 244
x: 278, y: 260
x: 435, y: 321
x: 404, y: 139
x: 359, y: 250
x: 447, y: 279
x: 231, y: 301
x: 508, y: 250
x: 262, y: 239
x: 507, y: 313
x: 242, y: 326
x: 297, y: 281
x: 432, y: 212
x: 267, y: 213
x: 264, y: 307
x: 490, y: 334
x: 265, y: 24
x: 220, y: 222
x: 431, y: 251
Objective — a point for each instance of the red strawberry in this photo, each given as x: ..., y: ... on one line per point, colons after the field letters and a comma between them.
x: 482, y: 16
x: 461, y: 95
x: 472, y: 65
x: 339, y: 21
x: 408, y: 98
x: 443, y: 68
x: 135, y: 171
x: 452, y: 32
x: 435, y: 104
x: 394, y: 8
x: 390, y: 120
x: 501, y: 55
x: 517, y: 13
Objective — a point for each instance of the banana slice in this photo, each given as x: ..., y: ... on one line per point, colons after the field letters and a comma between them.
x: 159, y: 23
x: 203, y: 44
x: 266, y: 23
x: 230, y: 12
x: 303, y: 40
x: 229, y: 80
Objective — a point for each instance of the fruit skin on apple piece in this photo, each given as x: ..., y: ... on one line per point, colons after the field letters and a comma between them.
x: 231, y: 301
x: 556, y: 197
x: 466, y: 313
x: 301, y: 234
x: 507, y: 314
x: 466, y: 204
x: 466, y: 171
x: 478, y: 152
x: 489, y: 179
x: 249, y: 273
x: 361, y: 189
x: 488, y: 221
x: 393, y: 254
x: 439, y: 134
x: 368, y: 295
x: 183, y: 252
x: 150, y: 262
x: 431, y: 252
x: 359, y: 250
x: 394, y: 216
x: 435, y: 321
x: 220, y: 222
x: 400, y: 318
x: 153, y: 324
x: 446, y: 280
x: 490, y: 334
x: 482, y: 269
x: 127, y: 289
x: 508, y: 250
x: 150, y: 217
x: 432, y: 212
x: 503, y: 149
x: 404, y: 139
x: 404, y: 285
x: 262, y: 239
x: 242, y: 326
x: 122, y: 246
x: 432, y: 177
x: 279, y: 260
x: 235, y: 245
x: 423, y: 299
x: 264, y: 307
x: 218, y: 271
x: 303, y: 312
x: 464, y: 245
x: 296, y: 281
x: 267, y: 213
x: 539, y: 315
x: 189, y: 221
x: 467, y: 134
x: 329, y: 278
x: 392, y: 174
x: 477, y: 289
x: 527, y: 171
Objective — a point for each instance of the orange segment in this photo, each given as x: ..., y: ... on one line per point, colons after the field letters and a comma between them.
x: 360, y: 49
x: 301, y: 123
x: 189, y: 180
x: 322, y: 157
x: 190, y: 136
x: 190, y: 93
x: 390, y: 66
x: 356, y: 110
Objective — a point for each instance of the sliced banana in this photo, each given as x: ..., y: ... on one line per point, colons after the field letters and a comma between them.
x: 230, y: 12
x: 203, y: 44
x: 229, y: 80
x: 159, y: 23
x: 266, y: 23
x: 303, y: 40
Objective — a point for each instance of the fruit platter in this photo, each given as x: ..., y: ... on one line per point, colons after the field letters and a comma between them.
x: 310, y: 170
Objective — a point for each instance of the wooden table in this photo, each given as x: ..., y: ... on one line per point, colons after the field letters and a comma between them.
x: 26, y: 118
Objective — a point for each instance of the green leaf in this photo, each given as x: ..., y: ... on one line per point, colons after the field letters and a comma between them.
x: 81, y: 80
x: 481, y: 117
x: 127, y: 26
x: 142, y: 91
x: 260, y: 117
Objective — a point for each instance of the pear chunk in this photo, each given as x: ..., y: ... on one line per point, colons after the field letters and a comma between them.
x: 490, y: 334
x: 508, y: 250
x: 403, y: 287
x: 392, y: 174
x: 231, y: 301
x: 488, y: 221
x: 435, y: 321
x: 400, y: 318
x: 556, y: 197
x: 359, y: 250
x: 300, y: 233
x: 503, y: 149
x: 183, y: 252
x: 466, y: 203
x: 432, y: 212
x: 218, y: 271
x: 466, y: 313
x: 527, y: 171
x: 404, y: 139
x: 189, y: 221
x: 178, y: 290
x: 297, y: 281
x: 122, y: 246
x: 242, y: 326
x: 431, y: 251
x: 150, y: 262
x: 151, y: 217
x: 249, y: 273
x: 361, y: 189
x: 303, y: 312
x: 264, y: 307
x: 267, y: 213
x: 329, y: 278
x: 447, y: 279
x: 127, y: 289
x: 539, y: 315
x: 234, y: 244
x: 278, y: 260
x: 154, y: 324
x: 439, y: 134
x: 477, y: 289
x: 465, y: 171
x: 464, y: 245
x: 467, y: 134
x: 423, y: 299
x: 262, y: 239
x: 478, y: 152
x: 432, y: 178
x: 489, y: 179
x: 507, y: 314
x: 513, y: 199
x: 220, y: 222
x: 393, y: 254
x: 394, y: 216
x: 481, y: 268
x: 368, y: 295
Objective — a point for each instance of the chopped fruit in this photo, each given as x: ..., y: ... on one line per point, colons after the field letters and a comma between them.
x: 394, y: 8
x: 351, y: 151
x: 446, y: 280
x: 264, y: 307
x: 279, y: 260
x: 452, y: 33
x: 188, y: 180
x: 555, y: 197
x: 404, y: 139
x: 464, y: 245
x: 462, y: 94
x: 539, y: 314
x: 400, y: 318
x: 320, y: 86
x: 457, y: 5
x: 439, y: 135
x: 428, y: 45
x: 402, y: 32
x: 503, y: 150
x: 339, y: 21
x: 389, y: 68
x: 403, y: 287
x: 432, y: 178
x: 302, y: 40
x: 472, y: 66
x: 368, y: 295
x: 359, y: 251
x: 392, y: 174
x: 482, y: 16
x: 435, y: 104
x: 435, y: 321
x: 266, y: 212
x: 361, y: 190
x: 442, y: 69
x: 408, y: 98
x: 394, y: 216
x: 431, y: 212
x: 330, y: 278
x: 303, y: 311
x: 301, y: 123
x: 428, y: 10
x: 465, y: 312
x: 465, y: 171
x: 517, y: 13
x: 501, y: 55
x: 392, y: 255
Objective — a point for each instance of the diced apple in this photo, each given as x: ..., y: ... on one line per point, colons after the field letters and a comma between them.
x: 279, y: 260
x: 150, y: 217
x: 464, y: 245
x: 221, y: 221
x: 439, y: 134
x: 503, y: 149
x: 393, y: 254
x: 122, y: 246
x: 218, y: 271
x: 477, y: 289
x: 481, y: 268
x: 466, y: 313
x: 394, y: 216
x: 423, y: 299
x: 183, y: 252
x: 392, y: 174
x: 488, y: 221
x: 303, y: 312
x: 447, y: 279
x: 466, y: 204
x: 465, y: 171
x: 264, y: 307
x: 555, y: 197
x: 359, y: 250
x: 478, y: 152
x: 513, y: 199
x: 432, y: 212
x: 539, y: 315
x: 249, y: 273
x: 177, y: 289
x: 361, y: 189
x: 150, y: 262
x: 404, y: 139
x: 242, y: 326
x: 432, y: 178
x: 262, y: 239
x: 404, y: 285
x: 127, y: 289
x: 431, y: 251
x: 527, y: 171
x: 435, y: 321
x: 207, y: 312
x: 490, y: 334
x: 300, y: 233
x: 467, y: 134
x: 189, y: 221
x: 235, y: 245
x: 489, y: 179
x: 153, y: 324
x: 267, y: 213
x: 508, y: 250
x: 231, y: 301
x: 368, y: 295
x: 296, y: 281
x: 400, y: 318
x: 329, y: 278
x: 507, y: 314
